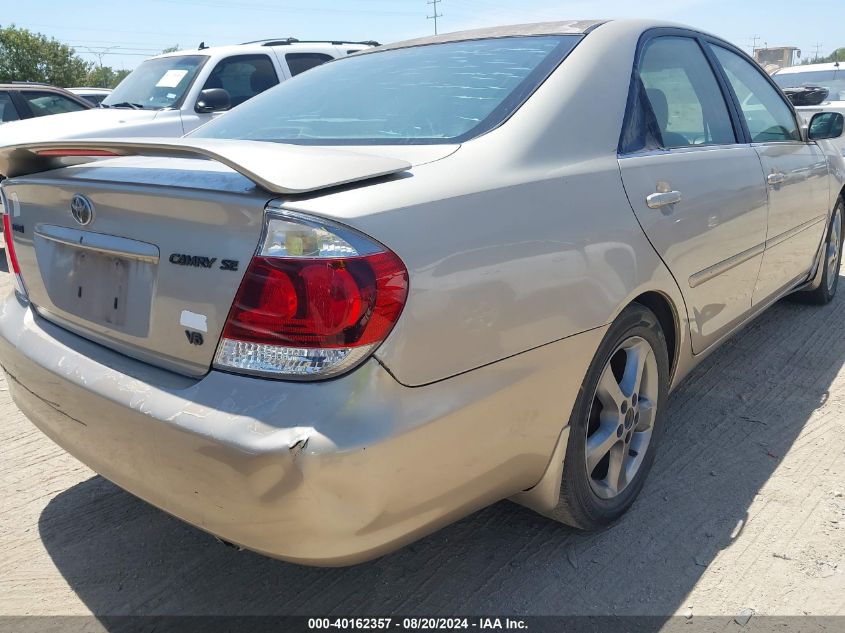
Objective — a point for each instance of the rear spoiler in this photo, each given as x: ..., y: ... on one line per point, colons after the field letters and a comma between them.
x: 278, y: 168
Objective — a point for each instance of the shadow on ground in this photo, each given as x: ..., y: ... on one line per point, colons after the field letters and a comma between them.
x: 729, y: 426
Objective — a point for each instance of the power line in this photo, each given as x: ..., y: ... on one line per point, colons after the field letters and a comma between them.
x: 436, y: 15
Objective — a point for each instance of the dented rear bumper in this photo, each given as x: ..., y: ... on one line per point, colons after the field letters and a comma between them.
x: 329, y: 473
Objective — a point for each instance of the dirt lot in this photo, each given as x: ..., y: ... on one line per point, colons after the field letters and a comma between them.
x: 745, y: 509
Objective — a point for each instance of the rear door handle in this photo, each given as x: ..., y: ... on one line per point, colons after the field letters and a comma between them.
x: 660, y: 200
x: 776, y: 178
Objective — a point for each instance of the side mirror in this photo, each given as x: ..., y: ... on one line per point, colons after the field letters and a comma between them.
x: 825, y: 125
x: 213, y: 100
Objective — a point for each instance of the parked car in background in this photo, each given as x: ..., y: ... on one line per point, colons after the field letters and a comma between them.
x: 92, y: 95
x: 815, y: 88
x: 171, y: 94
x: 27, y: 100
x: 413, y: 282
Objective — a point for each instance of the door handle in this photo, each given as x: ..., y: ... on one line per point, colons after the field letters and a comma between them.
x: 776, y: 178
x: 662, y: 199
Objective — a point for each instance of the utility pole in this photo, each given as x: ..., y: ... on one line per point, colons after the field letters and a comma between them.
x: 754, y: 40
x: 818, y: 48
x: 99, y: 52
x: 436, y: 15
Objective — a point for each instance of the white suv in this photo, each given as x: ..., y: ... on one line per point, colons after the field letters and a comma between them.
x: 173, y: 93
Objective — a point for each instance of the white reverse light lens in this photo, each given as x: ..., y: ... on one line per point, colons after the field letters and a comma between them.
x: 261, y: 358
x: 298, y: 239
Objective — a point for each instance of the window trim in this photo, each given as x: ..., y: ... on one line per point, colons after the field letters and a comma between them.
x: 711, y: 41
x: 737, y: 121
x: 229, y: 58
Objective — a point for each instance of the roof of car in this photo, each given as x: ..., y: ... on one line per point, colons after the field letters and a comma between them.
x: 566, y: 27
x: 87, y: 89
x: 31, y: 85
x: 812, y: 67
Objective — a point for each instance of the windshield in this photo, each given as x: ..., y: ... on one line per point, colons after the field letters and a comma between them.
x: 438, y: 93
x: 157, y: 83
x: 833, y: 80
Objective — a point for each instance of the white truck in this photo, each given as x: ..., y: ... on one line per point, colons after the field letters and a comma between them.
x: 815, y: 88
x: 173, y: 93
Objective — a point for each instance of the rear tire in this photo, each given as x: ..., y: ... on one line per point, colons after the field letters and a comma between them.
x: 617, y: 422
x: 831, y: 261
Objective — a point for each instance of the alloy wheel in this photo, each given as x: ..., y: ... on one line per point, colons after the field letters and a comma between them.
x: 622, y: 418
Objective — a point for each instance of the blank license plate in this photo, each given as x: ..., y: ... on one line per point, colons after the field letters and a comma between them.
x: 109, y: 290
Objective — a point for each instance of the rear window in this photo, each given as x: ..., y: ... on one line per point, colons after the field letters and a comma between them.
x: 439, y: 93
x: 300, y: 62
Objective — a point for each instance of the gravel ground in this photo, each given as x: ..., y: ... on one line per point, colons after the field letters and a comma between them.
x: 745, y: 509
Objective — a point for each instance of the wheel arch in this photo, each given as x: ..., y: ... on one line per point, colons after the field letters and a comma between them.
x: 667, y: 315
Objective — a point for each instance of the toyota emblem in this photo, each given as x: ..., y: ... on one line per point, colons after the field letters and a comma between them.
x: 82, y: 210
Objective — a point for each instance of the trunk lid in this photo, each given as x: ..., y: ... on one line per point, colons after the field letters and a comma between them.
x: 145, y: 254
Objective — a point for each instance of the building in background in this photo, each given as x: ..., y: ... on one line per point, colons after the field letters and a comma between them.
x: 778, y: 56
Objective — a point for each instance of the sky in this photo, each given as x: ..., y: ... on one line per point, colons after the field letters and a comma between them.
x: 122, y: 33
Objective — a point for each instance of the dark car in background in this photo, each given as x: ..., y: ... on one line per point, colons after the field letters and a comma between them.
x: 26, y: 100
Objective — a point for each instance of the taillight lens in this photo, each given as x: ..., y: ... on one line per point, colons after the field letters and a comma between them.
x: 11, y: 256
x: 316, y: 300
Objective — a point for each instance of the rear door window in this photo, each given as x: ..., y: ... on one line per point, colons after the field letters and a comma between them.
x: 42, y: 103
x: 300, y: 62
x: 678, y: 97
x: 243, y: 76
x: 767, y: 114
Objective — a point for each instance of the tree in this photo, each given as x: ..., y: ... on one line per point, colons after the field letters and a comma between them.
x: 104, y: 77
x: 170, y: 49
x: 28, y: 56
x: 836, y: 56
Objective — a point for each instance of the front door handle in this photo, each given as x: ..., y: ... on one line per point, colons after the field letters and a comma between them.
x: 659, y: 200
x: 776, y: 178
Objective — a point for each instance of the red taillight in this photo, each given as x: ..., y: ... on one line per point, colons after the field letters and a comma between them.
x: 303, y: 311
x: 318, y: 302
x: 73, y: 152
x: 11, y: 256
x: 10, y: 245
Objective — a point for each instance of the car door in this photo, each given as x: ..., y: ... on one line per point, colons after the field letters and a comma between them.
x: 697, y: 191
x: 796, y: 173
x: 242, y: 76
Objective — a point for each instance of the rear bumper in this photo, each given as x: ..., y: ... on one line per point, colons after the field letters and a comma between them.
x: 329, y: 473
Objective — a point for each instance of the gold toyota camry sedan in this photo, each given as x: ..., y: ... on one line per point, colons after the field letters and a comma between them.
x: 413, y: 282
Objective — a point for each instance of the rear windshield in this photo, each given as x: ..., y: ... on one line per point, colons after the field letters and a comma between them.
x: 833, y: 80
x: 439, y: 93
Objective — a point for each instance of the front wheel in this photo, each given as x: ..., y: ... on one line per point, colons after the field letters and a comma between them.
x: 831, y: 261
x: 616, y: 423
